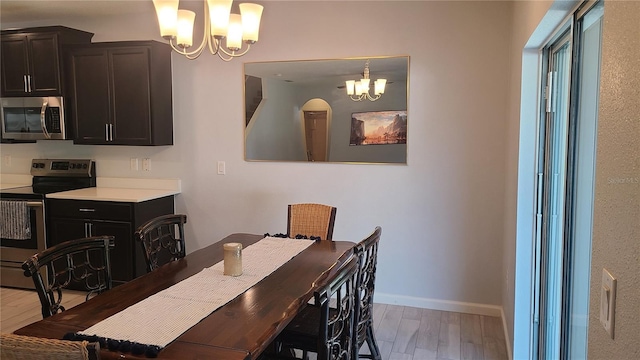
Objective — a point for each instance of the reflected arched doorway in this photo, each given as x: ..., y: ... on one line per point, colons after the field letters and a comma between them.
x: 315, y: 117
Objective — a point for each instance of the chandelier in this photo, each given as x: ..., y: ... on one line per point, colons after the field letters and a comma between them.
x: 219, y: 24
x: 359, y: 90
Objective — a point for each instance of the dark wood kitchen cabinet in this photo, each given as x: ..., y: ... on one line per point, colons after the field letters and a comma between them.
x: 32, y: 59
x: 120, y: 93
x: 73, y: 219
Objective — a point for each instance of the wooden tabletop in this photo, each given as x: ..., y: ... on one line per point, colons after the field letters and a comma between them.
x: 241, y: 329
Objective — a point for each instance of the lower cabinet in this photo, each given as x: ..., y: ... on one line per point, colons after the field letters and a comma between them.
x: 73, y: 219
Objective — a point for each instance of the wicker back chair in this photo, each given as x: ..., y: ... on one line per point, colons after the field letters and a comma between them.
x: 83, y: 263
x: 19, y: 347
x: 311, y: 220
x: 162, y: 239
x: 368, y: 250
x: 329, y: 331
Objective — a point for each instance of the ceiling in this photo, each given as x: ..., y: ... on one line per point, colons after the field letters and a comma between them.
x: 12, y: 11
x: 331, y: 70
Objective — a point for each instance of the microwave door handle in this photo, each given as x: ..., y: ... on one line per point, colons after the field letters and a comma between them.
x: 42, y: 122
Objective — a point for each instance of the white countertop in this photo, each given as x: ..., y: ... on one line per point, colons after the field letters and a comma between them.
x: 9, y: 181
x: 113, y: 194
x: 123, y: 190
x: 5, y: 186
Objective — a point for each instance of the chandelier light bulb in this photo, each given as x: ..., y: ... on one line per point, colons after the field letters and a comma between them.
x: 379, y: 86
x: 251, y: 15
x: 219, y: 11
x: 234, y: 34
x: 167, y: 12
x: 186, y: 19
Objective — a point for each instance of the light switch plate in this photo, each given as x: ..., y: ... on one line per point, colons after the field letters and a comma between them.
x: 608, y: 301
x: 133, y: 164
x: 221, y: 168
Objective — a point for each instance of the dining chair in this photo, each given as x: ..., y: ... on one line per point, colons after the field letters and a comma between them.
x: 328, y: 327
x: 19, y: 347
x: 303, y: 325
x: 83, y: 263
x: 368, y: 250
x: 311, y: 220
x: 162, y: 239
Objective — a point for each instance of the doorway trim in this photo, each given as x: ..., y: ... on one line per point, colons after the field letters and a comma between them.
x: 316, y: 104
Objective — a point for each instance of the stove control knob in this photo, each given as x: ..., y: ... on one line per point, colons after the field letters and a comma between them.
x: 84, y: 166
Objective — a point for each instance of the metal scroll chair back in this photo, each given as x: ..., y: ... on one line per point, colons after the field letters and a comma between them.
x: 162, y: 239
x: 327, y: 327
x: 337, y: 325
x: 368, y: 250
x: 19, y: 347
x: 83, y: 263
x: 311, y: 220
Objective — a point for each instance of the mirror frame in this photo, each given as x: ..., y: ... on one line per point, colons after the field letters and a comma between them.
x: 286, y: 90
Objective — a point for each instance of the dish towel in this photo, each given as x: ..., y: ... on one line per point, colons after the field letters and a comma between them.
x: 16, y: 220
x: 159, y: 319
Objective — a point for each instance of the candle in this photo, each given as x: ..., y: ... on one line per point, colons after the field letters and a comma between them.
x: 232, y: 259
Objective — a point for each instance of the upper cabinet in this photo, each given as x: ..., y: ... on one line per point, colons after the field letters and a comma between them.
x: 120, y: 93
x: 30, y: 58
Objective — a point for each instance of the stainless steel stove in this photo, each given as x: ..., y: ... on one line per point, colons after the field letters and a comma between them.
x: 17, y: 242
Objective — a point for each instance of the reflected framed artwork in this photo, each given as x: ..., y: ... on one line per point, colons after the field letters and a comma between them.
x: 378, y: 128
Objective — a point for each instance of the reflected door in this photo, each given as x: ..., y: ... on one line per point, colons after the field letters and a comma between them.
x: 315, y: 130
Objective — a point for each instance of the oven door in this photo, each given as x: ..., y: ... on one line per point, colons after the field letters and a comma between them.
x: 36, y: 118
x: 14, y: 252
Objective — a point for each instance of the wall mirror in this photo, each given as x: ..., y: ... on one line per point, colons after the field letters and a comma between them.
x: 300, y: 111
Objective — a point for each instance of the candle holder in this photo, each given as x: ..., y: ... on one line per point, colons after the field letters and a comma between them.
x: 232, y: 259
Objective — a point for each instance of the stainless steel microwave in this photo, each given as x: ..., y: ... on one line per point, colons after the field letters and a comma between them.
x: 33, y: 118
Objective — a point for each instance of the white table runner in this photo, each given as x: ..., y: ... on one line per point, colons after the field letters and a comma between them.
x: 162, y: 317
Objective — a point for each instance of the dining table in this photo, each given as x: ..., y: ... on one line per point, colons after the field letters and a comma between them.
x: 240, y: 329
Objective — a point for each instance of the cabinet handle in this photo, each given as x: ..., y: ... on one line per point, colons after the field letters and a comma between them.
x: 24, y: 80
x: 106, y: 132
x: 29, y: 82
x: 86, y: 210
x: 86, y: 229
x: 110, y: 132
x: 90, y: 229
x: 43, y: 124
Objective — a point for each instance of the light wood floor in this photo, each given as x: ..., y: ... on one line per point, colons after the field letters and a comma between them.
x: 402, y: 332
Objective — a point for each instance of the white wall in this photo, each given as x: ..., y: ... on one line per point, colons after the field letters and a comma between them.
x: 441, y: 215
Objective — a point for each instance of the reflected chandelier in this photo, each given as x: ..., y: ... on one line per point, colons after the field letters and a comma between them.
x: 359, y: 90
x: 219, y: 24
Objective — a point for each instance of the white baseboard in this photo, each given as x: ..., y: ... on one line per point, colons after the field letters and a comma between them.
x: 444, y: 305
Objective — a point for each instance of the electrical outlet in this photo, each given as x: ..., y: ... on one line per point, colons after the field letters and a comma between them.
x: 134, y: 164
x: 146, y: 164
x: 6, y: 160
x: 608, y: 301
x: 221, y: 168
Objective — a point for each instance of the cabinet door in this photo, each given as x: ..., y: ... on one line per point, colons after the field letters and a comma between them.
x: 13, y: 59
x: 131, y: 96
x: 44, y: 66
x: 89, y: 96
x: 122, y: 254
x: 61, y: 230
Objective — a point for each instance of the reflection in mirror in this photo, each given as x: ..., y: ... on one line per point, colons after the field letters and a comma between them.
x: 300, y: 111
